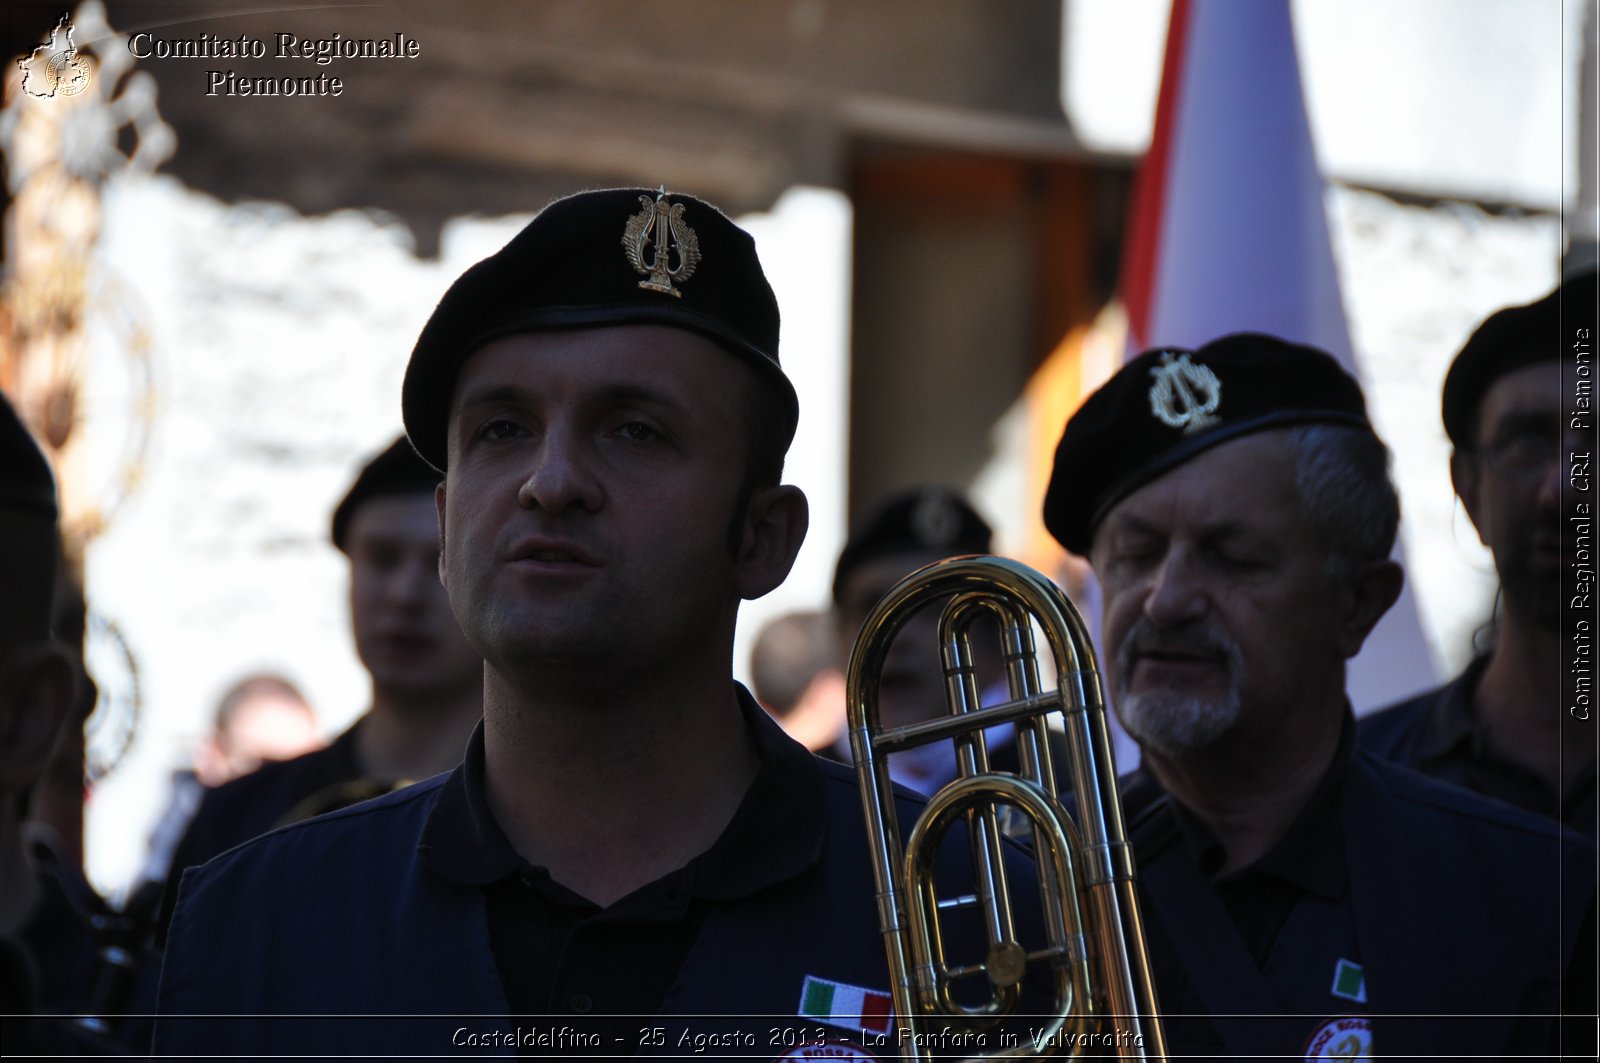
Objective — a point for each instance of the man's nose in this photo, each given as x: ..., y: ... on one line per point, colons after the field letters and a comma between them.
x: 561, y: 477
x: 411, y: 582
x: 1176, y: 593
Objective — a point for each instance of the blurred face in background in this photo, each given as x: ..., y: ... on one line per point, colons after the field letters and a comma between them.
x: 1510, y: 484
x: 267, y: 725
x: 912, y: 683
x: 405, y: 633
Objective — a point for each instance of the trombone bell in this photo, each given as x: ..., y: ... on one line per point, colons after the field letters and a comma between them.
x: 1094, y: 947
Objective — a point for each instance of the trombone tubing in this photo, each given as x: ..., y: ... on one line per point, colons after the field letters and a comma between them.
x: 1109, y: 889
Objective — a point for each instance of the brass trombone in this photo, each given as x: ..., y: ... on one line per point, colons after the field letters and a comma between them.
x: 1095, y: 947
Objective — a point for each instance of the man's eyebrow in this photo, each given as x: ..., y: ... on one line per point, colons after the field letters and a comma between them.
x: 385, y: 540
x: 1208, y: 531
x: 1522, y: 420
x: 482, y: 394
x: 1120, y: 523
x: 644, y: 394
x: 1236, y: 531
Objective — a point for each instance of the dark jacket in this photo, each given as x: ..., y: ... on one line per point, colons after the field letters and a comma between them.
x: 341, y: 916
x: 1464, y: 915
x: 1438, y: 734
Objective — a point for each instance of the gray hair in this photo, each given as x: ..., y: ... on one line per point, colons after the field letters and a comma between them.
x: 1342, y: 474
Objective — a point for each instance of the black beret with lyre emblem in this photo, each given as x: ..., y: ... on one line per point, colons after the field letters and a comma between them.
x: 924, y: 519
x: 611, y: 257
x: 1169, y: 405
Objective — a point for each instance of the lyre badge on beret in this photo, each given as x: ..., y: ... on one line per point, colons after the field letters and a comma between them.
x: 1184, y: 395
x: 661, y: 227
x: 935, y: 519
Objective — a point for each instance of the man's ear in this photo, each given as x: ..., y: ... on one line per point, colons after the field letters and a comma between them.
x: 1374, y: 589
x: 39, y: 690
x: 438, y: 505
x: 775, y: 522
x: 1467, y: 479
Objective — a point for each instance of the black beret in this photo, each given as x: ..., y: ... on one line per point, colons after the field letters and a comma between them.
x: 1170, y: 404
x: 597, y: 258
x: 26, y: 483
x: 1512, y: 339
x: 399, y: 470
x: 925, y: 518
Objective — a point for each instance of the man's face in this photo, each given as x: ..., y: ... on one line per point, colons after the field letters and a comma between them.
x: 1218, y: 623
x: 593, y: 477
x: 1510, y: 484
x: 268, y: 725
x: 405, y: 634
x: 911, y: 685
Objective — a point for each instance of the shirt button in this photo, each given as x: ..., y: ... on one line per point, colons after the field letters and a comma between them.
x: 582, y: 1003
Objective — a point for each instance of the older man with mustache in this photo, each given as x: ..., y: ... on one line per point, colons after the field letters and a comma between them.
x: 1303, y: 897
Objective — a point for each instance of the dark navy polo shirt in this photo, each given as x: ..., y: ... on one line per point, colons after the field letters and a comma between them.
x: 252, y: 804
x: 1306, y: 864
x: 1396, y: 908
x: 559, y: 953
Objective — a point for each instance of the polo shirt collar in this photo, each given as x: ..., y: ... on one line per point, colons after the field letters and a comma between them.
x: 1310, y: 856
x: 1451, y: 722
x: 776, y: 833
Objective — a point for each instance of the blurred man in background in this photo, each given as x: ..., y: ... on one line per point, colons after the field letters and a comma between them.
x: 427, y: 681
x: 901, y: 533
x: 1501, y: 727
x: 795, y: 676
x: 262, y: 717
x: 37, y: 690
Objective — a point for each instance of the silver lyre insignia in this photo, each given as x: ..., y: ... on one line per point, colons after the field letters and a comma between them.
x: 660, y: 226
x: 1184, y: 395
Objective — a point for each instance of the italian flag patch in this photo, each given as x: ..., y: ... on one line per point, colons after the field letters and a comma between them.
x: 1349, y: 982
x: 846, y: 1006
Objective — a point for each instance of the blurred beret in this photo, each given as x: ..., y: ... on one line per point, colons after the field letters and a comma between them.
x: 399, y: 470
x: 1512, y: 339
x: 1169, y: 405
x: 595, y: 259
x: 26, y: 483
x: 927, y: 519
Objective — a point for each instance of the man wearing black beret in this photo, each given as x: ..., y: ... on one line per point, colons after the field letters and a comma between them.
x: 629, y: 834
x: 37, y: 687
x: 1302, y: 897
x: 900, y: 533
x: 1501, y: 727
x: 425, y: 678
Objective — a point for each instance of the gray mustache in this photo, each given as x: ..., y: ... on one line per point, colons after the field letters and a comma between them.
x: 1197, y: 639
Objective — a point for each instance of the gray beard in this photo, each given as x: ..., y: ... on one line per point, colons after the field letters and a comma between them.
x: 1535, y: 600
x: 1173, y: 723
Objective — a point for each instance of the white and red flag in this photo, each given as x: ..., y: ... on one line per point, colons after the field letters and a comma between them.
x: 1228, y: 233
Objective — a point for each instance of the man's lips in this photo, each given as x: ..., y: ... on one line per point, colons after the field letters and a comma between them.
x: 1179, y: 656
x: 544, y: 550
x: 1159, y: 662
x: 404, y: 641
